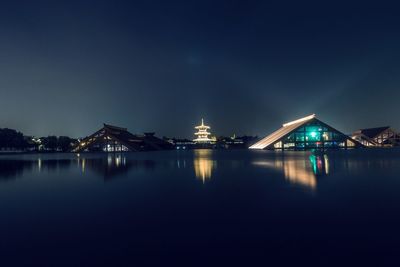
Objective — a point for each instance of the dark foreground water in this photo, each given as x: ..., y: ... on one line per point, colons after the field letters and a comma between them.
x: 201, y: 208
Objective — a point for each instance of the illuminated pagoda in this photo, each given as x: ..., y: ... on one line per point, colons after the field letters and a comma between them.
x: 307, y: 133
x: 377, y: 137
x: 202, y: 134
x: 117, y: 139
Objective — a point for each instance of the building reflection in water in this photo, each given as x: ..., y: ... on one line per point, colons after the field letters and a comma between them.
x: 181, y: 163
x: 107, y: 166
x: 203, y: 164
x: 12, y: 168
x: 113, y: 165
x: 300, y: 171
x: 39, y: 164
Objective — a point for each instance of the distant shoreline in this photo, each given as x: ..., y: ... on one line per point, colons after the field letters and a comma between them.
x: 330, y: 151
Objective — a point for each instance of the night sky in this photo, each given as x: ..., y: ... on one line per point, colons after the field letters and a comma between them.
x: 245, y: 66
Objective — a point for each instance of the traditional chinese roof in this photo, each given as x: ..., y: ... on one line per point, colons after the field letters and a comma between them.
x: 132, y: 141
x: 373, y: 132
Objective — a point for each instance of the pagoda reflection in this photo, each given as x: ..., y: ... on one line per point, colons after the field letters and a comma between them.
x: 203, y: 164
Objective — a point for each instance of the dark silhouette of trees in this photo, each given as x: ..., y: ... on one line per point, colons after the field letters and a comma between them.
x: 49, y: 143
x: 54, y: 143
x: 12, y: 140
x: 64, y: 143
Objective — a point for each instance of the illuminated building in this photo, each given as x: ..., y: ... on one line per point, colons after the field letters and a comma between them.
x: 202, y: 134
x: 116, y: 139
x: 377, y: 137
x: 306, y: 134
x: 180, y: 143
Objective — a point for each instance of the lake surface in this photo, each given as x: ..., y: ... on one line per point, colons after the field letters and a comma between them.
x: 201, y: 208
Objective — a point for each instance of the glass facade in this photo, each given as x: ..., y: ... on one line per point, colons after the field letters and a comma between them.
x: 314, y: 135
x: 115, y: 147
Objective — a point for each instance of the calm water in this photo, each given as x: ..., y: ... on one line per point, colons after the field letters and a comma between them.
x: 200, y: 208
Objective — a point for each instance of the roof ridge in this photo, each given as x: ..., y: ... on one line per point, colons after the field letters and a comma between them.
x: 115, y: 127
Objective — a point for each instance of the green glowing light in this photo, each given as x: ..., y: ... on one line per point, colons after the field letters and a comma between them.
x: 313, y: 134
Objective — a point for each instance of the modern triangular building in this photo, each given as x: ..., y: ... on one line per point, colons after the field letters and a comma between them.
x: 116, y: 139
x: 306, y: 134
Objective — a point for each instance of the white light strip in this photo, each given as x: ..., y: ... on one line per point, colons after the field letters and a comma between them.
x: 275, y: 136
x: 299, y: 120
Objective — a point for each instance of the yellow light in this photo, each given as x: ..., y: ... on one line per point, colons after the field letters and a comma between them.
x: 203, y: 164
x: 202, y: 133
x: 295, y: 171
x: 326, y: 159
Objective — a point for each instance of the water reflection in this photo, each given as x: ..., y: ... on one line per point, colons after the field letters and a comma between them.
x: 203, y: 164
x: 108, y: 167
x: 113, y: 165
x: 301, y: 171
x: 320, y: 164
x: 11, y: 169
x: 39, y: 164
x: 297, y: 168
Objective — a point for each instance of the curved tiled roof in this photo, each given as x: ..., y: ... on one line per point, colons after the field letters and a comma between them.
x: 373, y: 132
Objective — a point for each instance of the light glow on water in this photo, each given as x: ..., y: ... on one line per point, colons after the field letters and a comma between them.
x: 185, y: 199
x: 203, y: 164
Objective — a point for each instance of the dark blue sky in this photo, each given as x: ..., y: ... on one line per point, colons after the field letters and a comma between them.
x: 245, y: 66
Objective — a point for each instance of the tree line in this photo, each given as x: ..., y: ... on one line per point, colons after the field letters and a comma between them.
x: 12, y: 140
x: 54, y: 143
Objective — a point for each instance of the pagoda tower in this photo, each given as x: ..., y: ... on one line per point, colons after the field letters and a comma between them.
x: 202, y: 134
